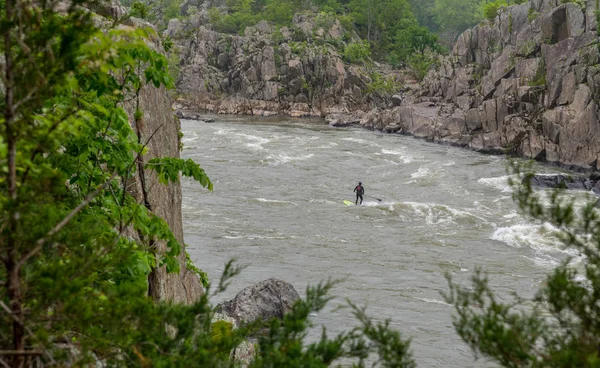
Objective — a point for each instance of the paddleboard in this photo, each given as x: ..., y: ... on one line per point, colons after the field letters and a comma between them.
x: 348, y: 203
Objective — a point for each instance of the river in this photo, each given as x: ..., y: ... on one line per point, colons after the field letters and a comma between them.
x: 277, y: 208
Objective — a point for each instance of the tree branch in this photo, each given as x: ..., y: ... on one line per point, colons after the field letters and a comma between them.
x: 44, y: 350
x: 135, y: 160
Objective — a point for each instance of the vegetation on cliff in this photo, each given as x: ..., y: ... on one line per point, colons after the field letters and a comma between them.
x: 388, y: 27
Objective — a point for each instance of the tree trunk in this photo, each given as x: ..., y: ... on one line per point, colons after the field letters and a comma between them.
x: 11, y: 263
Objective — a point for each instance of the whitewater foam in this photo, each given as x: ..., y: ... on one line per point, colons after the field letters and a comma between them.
x: 404, y: 157
x: 275, y: 201
x: 437, y: 214
x: 500, y: 183
x: 284, y: 159
x: 422, y: 172
x: 548, y: 249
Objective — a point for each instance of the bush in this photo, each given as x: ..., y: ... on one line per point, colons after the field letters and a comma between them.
x: 490, y: 10
x: 421, y: 64
x: 279, y: 12
x: 411, y: 40
x: 139, y: 10
x: 356, y: 52
x: 381, y: 84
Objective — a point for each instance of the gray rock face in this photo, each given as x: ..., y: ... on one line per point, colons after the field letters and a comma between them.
x: 268, y: 299
x: 225, y: 73
x: 590, y: 183
x: 527, y: 82
x: 163, y: 200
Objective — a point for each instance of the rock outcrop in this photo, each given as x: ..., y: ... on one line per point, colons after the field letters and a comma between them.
x: 267, y: 299
x: 587, y: 183
x: 160, y: 130
x: 527, y: 83
x: 163, y: 200
x: 297, y: 71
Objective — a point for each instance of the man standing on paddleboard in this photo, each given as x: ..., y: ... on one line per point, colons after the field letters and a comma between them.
x: 360, y: 190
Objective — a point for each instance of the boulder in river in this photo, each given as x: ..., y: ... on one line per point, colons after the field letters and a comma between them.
x: 268, y: 299
x: 591, y: 182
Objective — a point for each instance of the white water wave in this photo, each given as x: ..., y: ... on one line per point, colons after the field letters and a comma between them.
x: 404, y: 157
x: 190, y: 137
x: 357, y: 140
x: 275, y: 201
x: 251, y: 141
x: 422, y: 172
x: 433, y: 301
x: 436, y: 214
x: 513, y: 214
x: 284, y: 159
x: 541, y: 239
x: 527, y: 235
x: 544, y: 261
x: 500, y: 183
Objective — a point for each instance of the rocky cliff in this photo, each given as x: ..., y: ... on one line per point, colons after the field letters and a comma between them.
x: 296, y: 71
x: 159, y: 129
x: 527, y: 82
x: 163, y: 200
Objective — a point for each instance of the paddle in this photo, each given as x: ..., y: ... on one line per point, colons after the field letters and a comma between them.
x: 372, y: 197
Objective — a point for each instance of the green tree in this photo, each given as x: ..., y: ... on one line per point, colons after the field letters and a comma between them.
x: 456, y: 16
x: 140, y: 10
x: 378, y: 21
x: 67, y: 269
x: 357, y: 52
x: 490, y: 10
x: 240, y: 17
x: 279, y: 12
x: 158, y: 12
x: 415, y: 39
x: 423, y: 11
x: 560, y: 325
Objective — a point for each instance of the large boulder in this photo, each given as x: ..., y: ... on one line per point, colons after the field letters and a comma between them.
x: 266, y: 300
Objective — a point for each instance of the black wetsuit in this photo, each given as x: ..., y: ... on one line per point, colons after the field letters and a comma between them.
x: 360, y: 190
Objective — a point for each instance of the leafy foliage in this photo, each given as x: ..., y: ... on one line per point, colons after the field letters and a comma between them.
x: 417, y: 48
x: 383, y: 84
x: 357, y: 52
x: 140, y: 10
x: 377, y: 22
x: 456, y: 16
x: 491, y: 9
x: 158, y: 12
x: 168, y: 169
x: 68, y: 271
